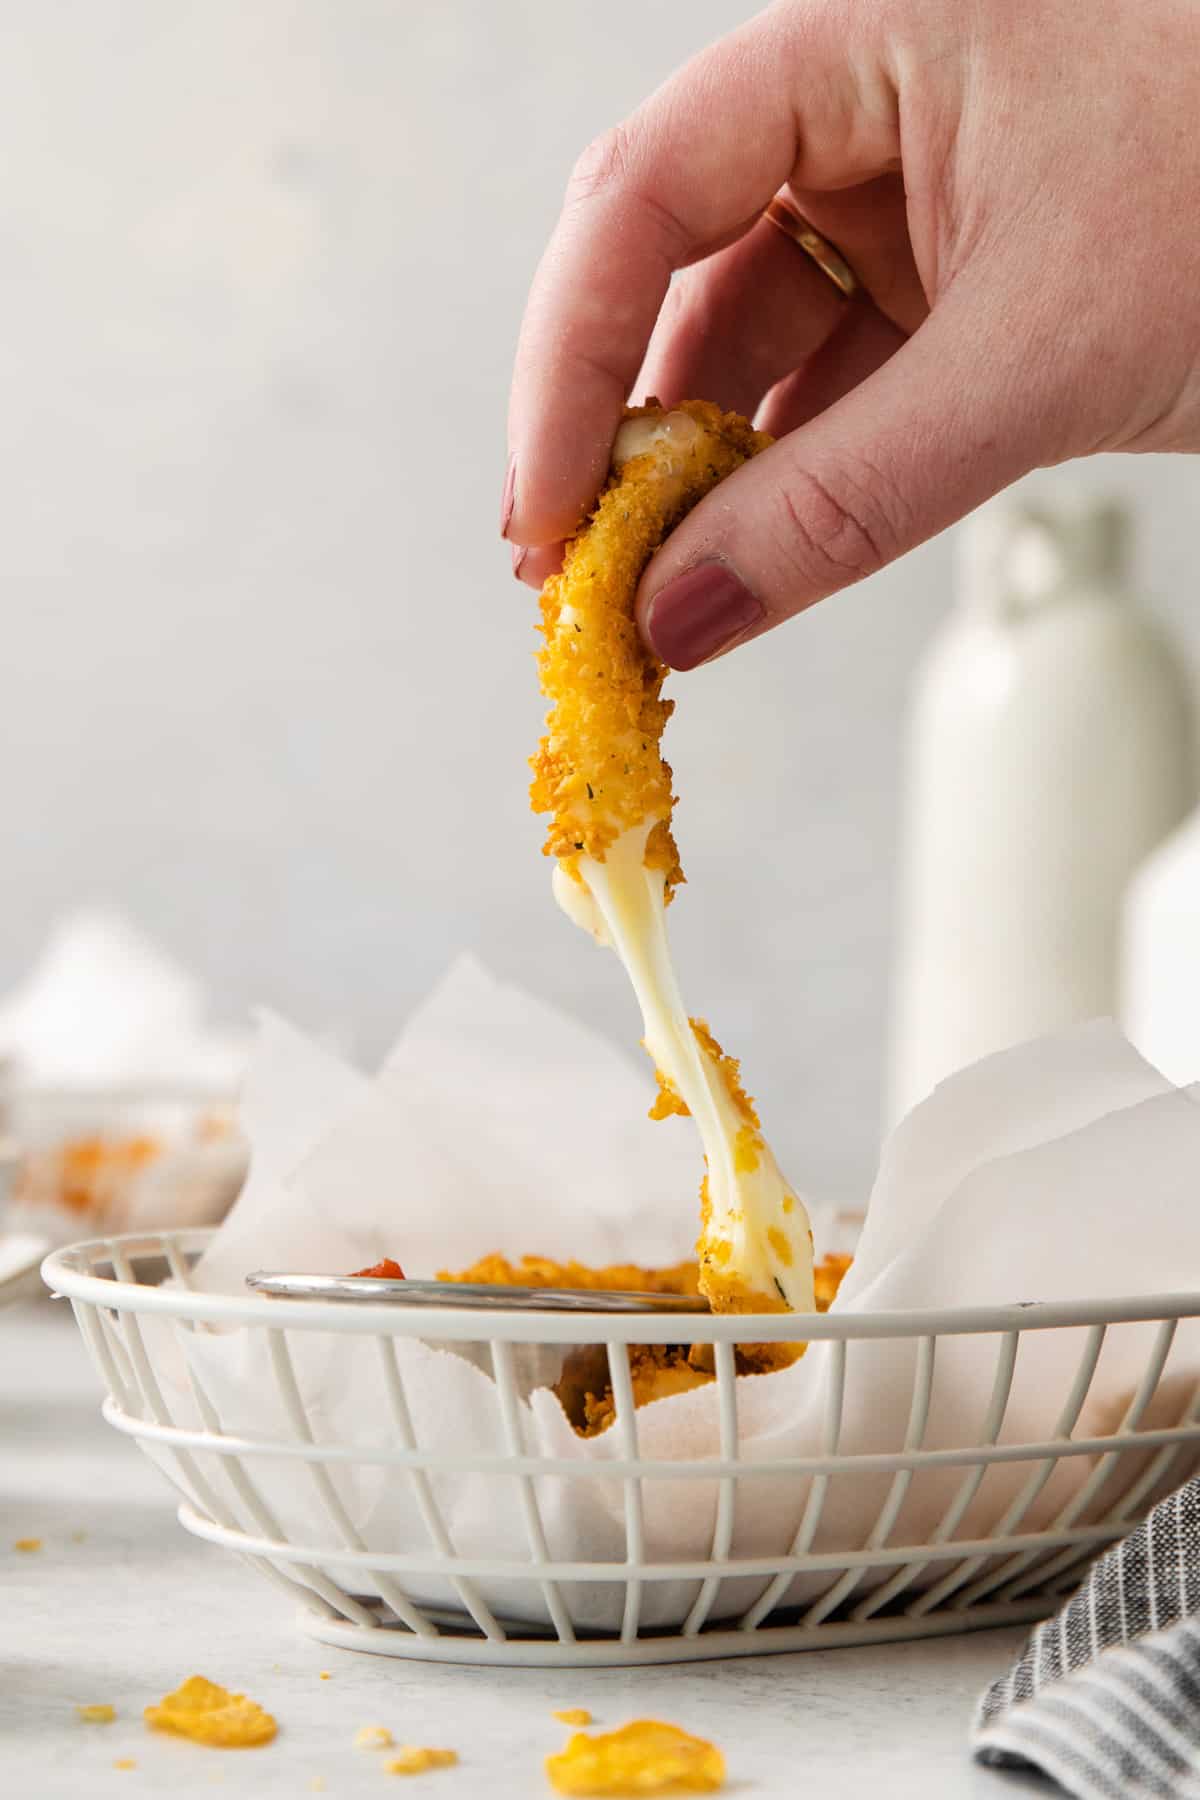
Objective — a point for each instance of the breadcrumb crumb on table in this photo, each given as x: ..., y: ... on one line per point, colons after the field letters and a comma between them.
x: 644, y: 1757
x: 373, y: 1737
x: 97, y: 1713
x: 125, y: 1762
x: 210, y: 1714
x: 27, y: 1545
x: 574, y: 1715
x: 415, y: 1759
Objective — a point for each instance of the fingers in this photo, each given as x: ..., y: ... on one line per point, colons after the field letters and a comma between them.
x: 686, y: 175
x: 534, y: 566
x: 923, y: 440
x: 735, y: 324
x: 862, y: 343
x: 869, y: 225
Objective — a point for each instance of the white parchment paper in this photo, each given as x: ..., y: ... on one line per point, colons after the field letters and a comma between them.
x: 108, y: 1038
x: 1064, y: 1169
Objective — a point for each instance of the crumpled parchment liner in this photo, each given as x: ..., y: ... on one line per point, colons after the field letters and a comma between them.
x: 104, y: 1008
x: 1060, y: 1170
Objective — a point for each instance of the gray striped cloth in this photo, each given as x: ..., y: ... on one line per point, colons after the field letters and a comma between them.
x: 1105, y: 1697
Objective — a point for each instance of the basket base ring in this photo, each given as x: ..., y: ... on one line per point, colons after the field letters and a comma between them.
x: 708, y: 1646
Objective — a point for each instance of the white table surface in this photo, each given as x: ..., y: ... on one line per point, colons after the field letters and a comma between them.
x: 120, y: 1604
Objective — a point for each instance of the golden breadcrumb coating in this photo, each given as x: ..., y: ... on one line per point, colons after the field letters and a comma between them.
x: 645, y: 1757
x: 668, y: 1100
x: 543, y: 1272
x: 373, y: 1737
x: 210, y: 1714
x: 599, y: 770
x: 584, y: 1387
x: 416, y: 1759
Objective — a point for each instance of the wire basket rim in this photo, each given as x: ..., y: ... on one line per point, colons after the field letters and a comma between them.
x: 68, y: 1272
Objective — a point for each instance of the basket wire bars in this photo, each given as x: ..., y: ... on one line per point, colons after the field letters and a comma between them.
x: 134, y: 1300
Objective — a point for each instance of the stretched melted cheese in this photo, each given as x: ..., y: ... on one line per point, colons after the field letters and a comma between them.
x: 600, y: 772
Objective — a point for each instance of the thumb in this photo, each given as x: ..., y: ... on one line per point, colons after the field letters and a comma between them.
x: 945, y: 423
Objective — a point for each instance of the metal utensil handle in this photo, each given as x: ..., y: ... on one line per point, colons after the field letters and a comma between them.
x: 474, y: 1296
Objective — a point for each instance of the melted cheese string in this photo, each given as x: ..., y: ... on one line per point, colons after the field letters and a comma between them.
x: 756, y: 1243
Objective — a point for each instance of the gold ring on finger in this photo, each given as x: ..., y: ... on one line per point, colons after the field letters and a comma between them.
x: 818, y: 249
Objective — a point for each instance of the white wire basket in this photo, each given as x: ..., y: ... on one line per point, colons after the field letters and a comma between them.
x: 426, y: 1590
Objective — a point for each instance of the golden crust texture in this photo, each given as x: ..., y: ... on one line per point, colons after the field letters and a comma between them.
x: 543, y: 1272
x: 584, y: 1388
x: 599, y: 770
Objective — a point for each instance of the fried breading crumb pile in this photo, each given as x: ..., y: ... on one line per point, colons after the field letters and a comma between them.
x: 584, y: 1387
x: 644, y: 1757
x: 415, y: 1759
x: 373, y: 1737
x: 210, y: 1714
x: 543, y: 1272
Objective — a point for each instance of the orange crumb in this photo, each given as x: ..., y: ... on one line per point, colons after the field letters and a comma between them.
x: 86, y: 1174
x: 387, y: 1270
x: 373, y: 1737
x: 100, y: 1713
x: 325, y: 1675
x: 729, y: 1069
x: 827, y: 1278
x: 780, y: 1245
x: 574, y: 1715
x: 28, y: 1544
x: 541, y: 1272
x: 209, y: 1714
x: 643, y: 1757
x: 669, y: 1099
x: 124, y: 1762
x: 414, y: 1759
x: 747, y: 1152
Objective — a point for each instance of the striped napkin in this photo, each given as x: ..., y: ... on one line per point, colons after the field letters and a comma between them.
x: 1105, y: 1697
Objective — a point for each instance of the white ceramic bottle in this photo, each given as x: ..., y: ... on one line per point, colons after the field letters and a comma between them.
x: 1160, y: 987
x: 1050, y: 750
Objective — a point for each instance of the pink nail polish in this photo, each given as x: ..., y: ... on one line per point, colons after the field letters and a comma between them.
x: 506, y: 503
x: 700, y: 613
x: 519, y: 553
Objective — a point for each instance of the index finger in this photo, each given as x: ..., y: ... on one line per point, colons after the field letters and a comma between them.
x: 686, y: 174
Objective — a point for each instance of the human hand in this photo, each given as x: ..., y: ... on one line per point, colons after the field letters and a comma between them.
x: 1015, y: 184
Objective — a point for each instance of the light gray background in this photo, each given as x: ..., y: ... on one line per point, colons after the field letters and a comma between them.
x: 269, y: 684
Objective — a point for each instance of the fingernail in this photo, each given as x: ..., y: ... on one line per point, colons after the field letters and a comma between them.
x: 519, y: 553
x: 700, y: 613
x: 506, y: 503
